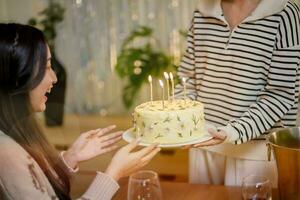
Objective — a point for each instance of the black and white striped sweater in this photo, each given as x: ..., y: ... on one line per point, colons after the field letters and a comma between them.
x: 247, y: 78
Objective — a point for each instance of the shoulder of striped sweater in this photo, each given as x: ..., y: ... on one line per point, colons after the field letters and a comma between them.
x: 291, y: 7
x: 289, y: 20
x: 197, y: 13
x: 212, y: 8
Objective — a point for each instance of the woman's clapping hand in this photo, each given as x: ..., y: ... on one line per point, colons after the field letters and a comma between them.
x: 127, y: 161
x: 91, y: 144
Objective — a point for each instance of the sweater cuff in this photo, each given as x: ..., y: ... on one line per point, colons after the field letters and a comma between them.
x: 231, y: 134
x: 70, y: 169
x: 103, y: 187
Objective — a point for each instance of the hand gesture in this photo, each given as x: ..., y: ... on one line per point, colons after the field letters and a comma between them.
x: 125, y: 162
x: 218, y: 137
x: 91, y: 144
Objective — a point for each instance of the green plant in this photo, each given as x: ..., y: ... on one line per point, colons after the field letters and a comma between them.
x: 136, y: 63
x: 47, y: 21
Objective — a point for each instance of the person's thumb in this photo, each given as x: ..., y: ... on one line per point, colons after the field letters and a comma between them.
x: 132, y: 145
x: 219, y: 134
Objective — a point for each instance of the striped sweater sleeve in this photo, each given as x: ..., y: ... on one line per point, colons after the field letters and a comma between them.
x: 279, y: 94
x: 186, y: 68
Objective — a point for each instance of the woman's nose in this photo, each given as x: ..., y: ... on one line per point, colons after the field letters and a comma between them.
x: 54, y: 77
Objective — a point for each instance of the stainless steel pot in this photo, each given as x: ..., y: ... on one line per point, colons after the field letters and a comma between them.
x: 285, y: 144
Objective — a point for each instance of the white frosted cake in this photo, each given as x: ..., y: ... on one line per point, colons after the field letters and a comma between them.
x: 179, y: 121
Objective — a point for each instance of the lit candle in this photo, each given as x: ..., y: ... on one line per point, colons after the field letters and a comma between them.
x: 151, y: 90
x: 138, y: 133
x: 163, y: 93
x: 172, y: 85
x: 168, y: 85
x: 184, y: 87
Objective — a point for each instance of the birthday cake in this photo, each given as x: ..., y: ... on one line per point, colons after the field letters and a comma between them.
x: 177, y: 121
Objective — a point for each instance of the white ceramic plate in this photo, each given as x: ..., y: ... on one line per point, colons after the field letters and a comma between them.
x: 128, y: 136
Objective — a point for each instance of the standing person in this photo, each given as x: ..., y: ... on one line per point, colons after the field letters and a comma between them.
x: 30, y: 167
x: 242, y: 63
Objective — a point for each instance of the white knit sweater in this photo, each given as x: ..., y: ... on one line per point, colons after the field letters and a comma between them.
x: 22, y: 178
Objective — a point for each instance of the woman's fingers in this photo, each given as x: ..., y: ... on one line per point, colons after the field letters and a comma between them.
x: 89, y: 134
x: 111, y: 136
x: 109, y: 148
x: 211, y: 130
x: 110, y: 142
x: 98, y: 132
x: 103, y: 131
x: 219, y: 135
x: 208, y: 143
x: 147, y: 158
x: 150, y: 155
x: 146, y: 150
x: 137, y: 166
x: 132, y: 145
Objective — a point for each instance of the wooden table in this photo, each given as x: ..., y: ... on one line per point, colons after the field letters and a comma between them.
x: 186, y: 191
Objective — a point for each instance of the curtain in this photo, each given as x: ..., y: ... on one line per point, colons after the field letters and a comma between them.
x: 89, y: 41
x: 90, y: 38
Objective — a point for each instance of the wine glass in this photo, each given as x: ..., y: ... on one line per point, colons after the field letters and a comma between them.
x: 256, y: 188
x: 144, y: 185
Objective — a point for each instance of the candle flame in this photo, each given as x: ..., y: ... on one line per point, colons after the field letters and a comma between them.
x: 149, y: 78
x: 161, y: 83
x: 166, y: 75
x: 171, y: 76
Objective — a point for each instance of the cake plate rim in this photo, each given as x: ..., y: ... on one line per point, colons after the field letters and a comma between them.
x: 128, y: 137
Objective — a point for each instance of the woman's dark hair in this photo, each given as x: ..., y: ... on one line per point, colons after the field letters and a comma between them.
x: 23, y: 60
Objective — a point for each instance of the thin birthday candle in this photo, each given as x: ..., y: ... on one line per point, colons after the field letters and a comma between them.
x: 168, y: 85
x: 138, y: 133
x: 151, y: 89
x: 172, y: 85
x: 163, y: 93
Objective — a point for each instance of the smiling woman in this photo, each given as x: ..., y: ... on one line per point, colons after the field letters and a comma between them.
x: 38, y: 94
x: 30, y: 167
x: 23, y: 78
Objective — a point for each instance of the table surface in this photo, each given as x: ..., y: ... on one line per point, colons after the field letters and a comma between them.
x: 186, y: 191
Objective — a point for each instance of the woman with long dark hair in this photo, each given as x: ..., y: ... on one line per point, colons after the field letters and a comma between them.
x: 30, y: 167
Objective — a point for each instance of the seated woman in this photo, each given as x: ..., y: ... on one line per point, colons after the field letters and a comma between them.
x: 30, y: 167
